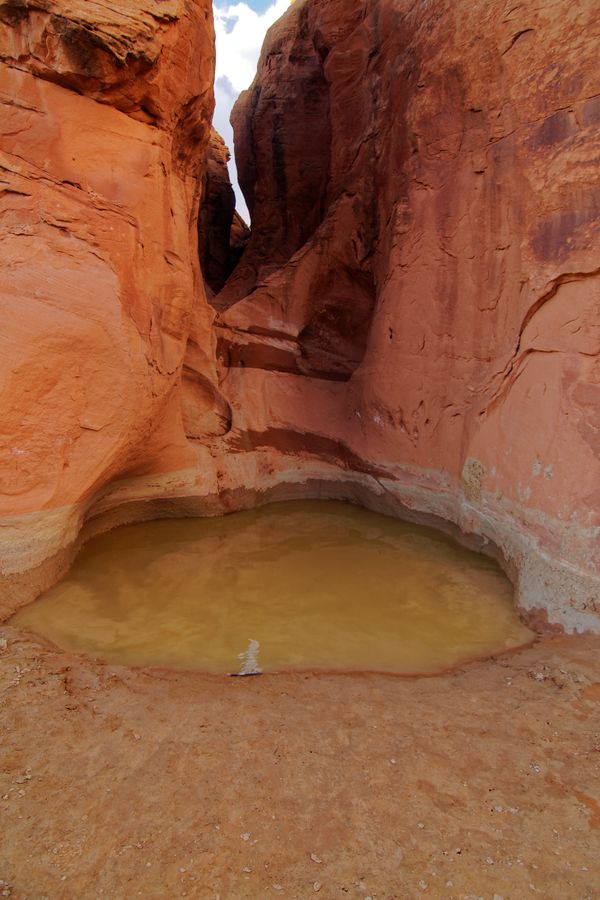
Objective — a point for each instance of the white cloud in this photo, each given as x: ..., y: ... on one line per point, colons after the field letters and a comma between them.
x: 239, y: 36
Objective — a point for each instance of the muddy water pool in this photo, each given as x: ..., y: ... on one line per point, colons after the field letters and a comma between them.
x: 304, y: 585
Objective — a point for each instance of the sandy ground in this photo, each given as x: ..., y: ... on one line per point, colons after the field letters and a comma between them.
x: 482, y: 783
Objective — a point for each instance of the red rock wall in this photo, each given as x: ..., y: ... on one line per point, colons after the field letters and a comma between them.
x: 222, y: 233
x: 451, y: 275
x: 106, y: 112
x: 414, y: 324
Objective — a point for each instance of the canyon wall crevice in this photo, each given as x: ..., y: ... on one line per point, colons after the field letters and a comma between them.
x: 222, y: 233
x: 414, y: 324
x: 461, y: 200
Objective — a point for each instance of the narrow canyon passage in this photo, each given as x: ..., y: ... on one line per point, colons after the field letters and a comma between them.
x: 413, y: 321
x: 410, y: 309
x: 355, y: 446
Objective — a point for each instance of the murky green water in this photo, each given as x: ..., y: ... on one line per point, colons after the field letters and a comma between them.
x: 299, y: 585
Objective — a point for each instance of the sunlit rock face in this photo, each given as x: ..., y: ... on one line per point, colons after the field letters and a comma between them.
x: 422, y: 285
x: 106, y: 111
x: 413, y: 325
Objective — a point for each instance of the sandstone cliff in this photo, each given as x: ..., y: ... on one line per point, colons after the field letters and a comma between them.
x: 106, y: 112
x: 424, y: 187
x: 222, y: 233
x: 414, y: 324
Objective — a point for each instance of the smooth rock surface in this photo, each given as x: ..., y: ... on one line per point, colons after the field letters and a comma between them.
x: 414, y: 324
x: 106, y: 113
x: 436, y: 253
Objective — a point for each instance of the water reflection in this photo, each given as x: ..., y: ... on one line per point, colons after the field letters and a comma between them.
x: 317, y: 585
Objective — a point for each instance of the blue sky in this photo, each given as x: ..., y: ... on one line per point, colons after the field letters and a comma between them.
x: 257, y: 5
x: 240, y: 28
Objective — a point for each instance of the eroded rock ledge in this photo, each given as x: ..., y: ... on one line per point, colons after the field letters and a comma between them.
x: 414, y: 324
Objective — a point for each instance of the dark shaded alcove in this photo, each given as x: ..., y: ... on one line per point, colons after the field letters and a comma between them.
x: 222, y: 233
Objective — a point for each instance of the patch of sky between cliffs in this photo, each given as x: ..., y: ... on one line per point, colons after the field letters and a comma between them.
x: 239, y: 30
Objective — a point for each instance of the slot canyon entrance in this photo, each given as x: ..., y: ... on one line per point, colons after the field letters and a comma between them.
x: 410, y: 323
x: 300, y: 585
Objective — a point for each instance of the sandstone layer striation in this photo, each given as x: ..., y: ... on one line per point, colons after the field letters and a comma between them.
x: 106, y: 112
x: 414, y: 324
x: 427, y: 174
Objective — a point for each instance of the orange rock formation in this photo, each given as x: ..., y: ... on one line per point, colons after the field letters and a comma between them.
x: 222, y: 233
x: 414, y: 325
x: 106, y: 117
